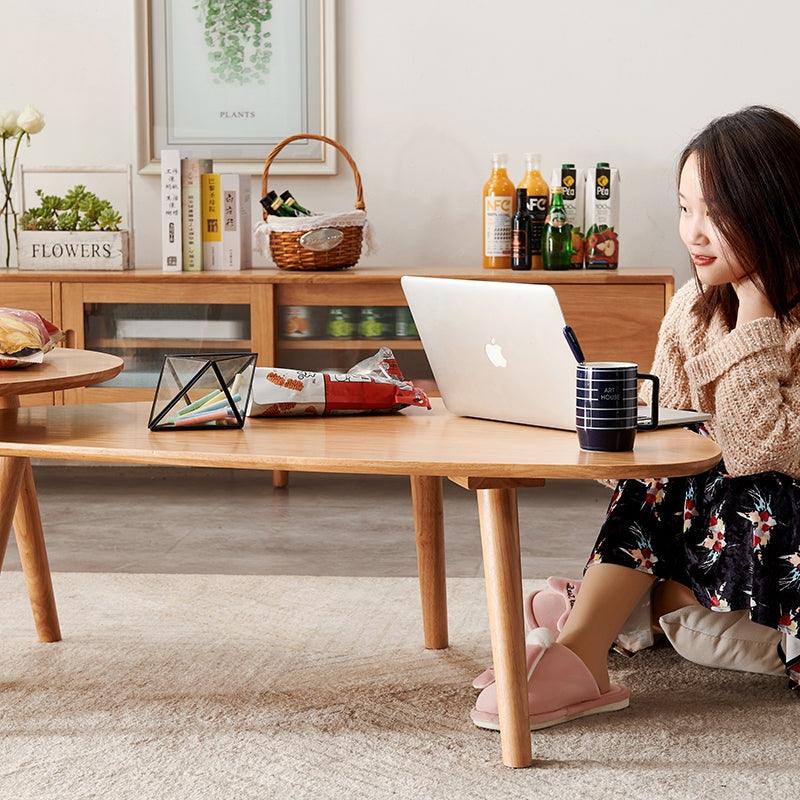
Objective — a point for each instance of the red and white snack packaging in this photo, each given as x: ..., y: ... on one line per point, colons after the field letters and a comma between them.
x: 25, y: 337
x: 373, y: 386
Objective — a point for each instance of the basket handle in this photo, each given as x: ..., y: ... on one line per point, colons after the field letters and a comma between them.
x: 278, y: 147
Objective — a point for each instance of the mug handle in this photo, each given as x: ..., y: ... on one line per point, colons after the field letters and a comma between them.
x: 653, y: 424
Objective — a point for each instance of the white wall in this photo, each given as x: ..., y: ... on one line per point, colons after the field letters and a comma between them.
x: 428, y: 89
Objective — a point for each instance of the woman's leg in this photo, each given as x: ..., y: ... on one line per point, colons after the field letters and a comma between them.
x: 670, y: 596
x: 608, y: 594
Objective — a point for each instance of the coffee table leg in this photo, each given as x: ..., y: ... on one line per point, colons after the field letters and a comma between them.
x: 280, y: 479
x: 33, y: 555
x: 426, y: 496
x: 497, y: 509
x: 11, y: 471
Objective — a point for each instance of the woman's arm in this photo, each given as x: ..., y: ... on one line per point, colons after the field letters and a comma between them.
x: 754, y: 389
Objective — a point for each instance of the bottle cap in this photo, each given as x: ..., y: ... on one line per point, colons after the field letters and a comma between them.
x: 501, y: 159
x: 558, y: 190
x: 567, y: 166
x: 602, y: 165
x: 533, y: 159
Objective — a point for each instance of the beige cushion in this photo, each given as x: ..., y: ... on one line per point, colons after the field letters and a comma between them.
x: 726, y: 640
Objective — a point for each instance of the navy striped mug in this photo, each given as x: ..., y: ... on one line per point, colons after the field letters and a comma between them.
x: 606, y: 407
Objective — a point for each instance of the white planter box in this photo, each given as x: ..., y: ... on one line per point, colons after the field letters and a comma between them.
x: 44, y: 250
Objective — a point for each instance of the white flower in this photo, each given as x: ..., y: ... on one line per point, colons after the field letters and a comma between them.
x: 8, y: 123
x: 30, y: 120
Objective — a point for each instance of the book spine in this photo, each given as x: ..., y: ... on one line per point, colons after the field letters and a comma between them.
x: 231, y: 237
x: 191, y: 211
x: 245, y: 217
x: 212, y: 228
x: 171, y: 245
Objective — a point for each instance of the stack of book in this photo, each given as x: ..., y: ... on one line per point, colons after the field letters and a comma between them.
x: 205, y: 216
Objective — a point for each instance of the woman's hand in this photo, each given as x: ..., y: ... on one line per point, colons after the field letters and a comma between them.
x: 753, y: 303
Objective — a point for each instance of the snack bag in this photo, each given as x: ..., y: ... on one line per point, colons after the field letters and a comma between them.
x: 25, y: 337
x: 373, y: 386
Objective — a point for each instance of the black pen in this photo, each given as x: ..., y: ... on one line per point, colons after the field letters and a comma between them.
x: 572, y: 341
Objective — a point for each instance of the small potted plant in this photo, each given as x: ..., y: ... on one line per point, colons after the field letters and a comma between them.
x: 76, y: 231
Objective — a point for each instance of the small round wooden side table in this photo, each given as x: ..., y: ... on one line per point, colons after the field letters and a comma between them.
x: 63, y: 368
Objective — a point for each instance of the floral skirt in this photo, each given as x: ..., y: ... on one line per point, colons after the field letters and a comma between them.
x: 734, y: 541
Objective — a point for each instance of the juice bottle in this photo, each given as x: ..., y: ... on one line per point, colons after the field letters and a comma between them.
x: 498, y: 209
x: 538, y: 203
x: 602, y: 217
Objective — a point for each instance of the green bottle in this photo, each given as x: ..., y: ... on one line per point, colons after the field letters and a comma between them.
x: 292, y: 204
x: 557, y: 235
x: 274, y: 205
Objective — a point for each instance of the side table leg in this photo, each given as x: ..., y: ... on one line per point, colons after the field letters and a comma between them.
x: 426, y: 496
x: 11, y: 470
x: 497, y: 509
x: 33, y: 554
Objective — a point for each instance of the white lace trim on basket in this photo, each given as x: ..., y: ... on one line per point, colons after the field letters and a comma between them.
x: 347, y: 219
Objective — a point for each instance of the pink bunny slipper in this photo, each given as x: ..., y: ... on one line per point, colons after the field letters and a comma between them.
x: 560, y: 687
x: 544, y: 608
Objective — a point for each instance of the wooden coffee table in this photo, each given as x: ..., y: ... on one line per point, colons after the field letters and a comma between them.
x: 493, y: 459
x: 63, y: 368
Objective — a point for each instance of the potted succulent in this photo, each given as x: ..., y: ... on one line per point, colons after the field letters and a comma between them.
x: 76, y: 231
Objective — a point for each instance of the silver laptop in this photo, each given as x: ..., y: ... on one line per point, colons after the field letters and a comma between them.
x: 497, y: 351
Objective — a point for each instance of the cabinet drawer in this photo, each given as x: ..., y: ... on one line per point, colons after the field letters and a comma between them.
x: 356, y: 294
x: 30, y: 296
x: 615, y: 323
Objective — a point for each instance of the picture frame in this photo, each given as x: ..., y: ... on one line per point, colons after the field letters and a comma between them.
x: 255, y: 95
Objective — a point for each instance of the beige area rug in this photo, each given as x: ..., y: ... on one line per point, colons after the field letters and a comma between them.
x: 181, y: 687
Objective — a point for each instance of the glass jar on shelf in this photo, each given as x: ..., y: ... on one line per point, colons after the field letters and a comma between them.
x: 404, y: 327
x: 373, y: 323
x: 297, y: 322
x: 340, y: 323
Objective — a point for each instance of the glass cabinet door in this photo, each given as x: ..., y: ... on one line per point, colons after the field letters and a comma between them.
x: 333, y: 338
x: 143, y: 333
x: 142, y: 323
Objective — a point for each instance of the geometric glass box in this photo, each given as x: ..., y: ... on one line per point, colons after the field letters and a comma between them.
x: 203, y: 391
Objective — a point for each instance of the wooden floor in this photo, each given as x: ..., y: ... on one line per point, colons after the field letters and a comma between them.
x: 135, y: 519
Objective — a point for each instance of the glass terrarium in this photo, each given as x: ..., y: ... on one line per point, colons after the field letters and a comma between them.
x: 201, y: 391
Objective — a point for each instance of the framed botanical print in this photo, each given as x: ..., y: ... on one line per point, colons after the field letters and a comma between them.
x: 228, y: 79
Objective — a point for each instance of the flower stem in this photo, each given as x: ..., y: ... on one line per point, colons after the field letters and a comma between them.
x: 10, y: 201
x: 4, y: 212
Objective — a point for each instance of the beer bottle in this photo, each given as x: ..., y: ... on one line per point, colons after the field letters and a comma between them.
x: 557, y: 236
x: 521, y: 233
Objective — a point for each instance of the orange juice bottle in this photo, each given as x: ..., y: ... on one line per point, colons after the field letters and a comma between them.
x: 498, y: 211
x: 538, y: 203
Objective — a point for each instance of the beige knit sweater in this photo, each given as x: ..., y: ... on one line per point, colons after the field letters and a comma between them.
x: 746, y: 378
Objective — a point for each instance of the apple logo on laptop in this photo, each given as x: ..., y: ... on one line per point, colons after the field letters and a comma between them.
x: 495, y: 353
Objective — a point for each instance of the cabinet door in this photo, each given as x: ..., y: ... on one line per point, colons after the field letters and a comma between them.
x: 143, y: 322
x: 615, y: 322
x: 334, y: 326
x: 36, y: 297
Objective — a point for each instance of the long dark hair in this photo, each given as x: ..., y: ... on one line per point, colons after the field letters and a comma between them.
x: 749, y: 167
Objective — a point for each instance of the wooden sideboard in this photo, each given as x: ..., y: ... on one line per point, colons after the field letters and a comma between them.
x: 142, y: 314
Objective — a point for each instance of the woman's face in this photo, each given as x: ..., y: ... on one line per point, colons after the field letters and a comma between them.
x: 712, y: 258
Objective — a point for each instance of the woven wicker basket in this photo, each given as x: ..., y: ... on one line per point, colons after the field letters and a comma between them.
x: 287, y: 251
